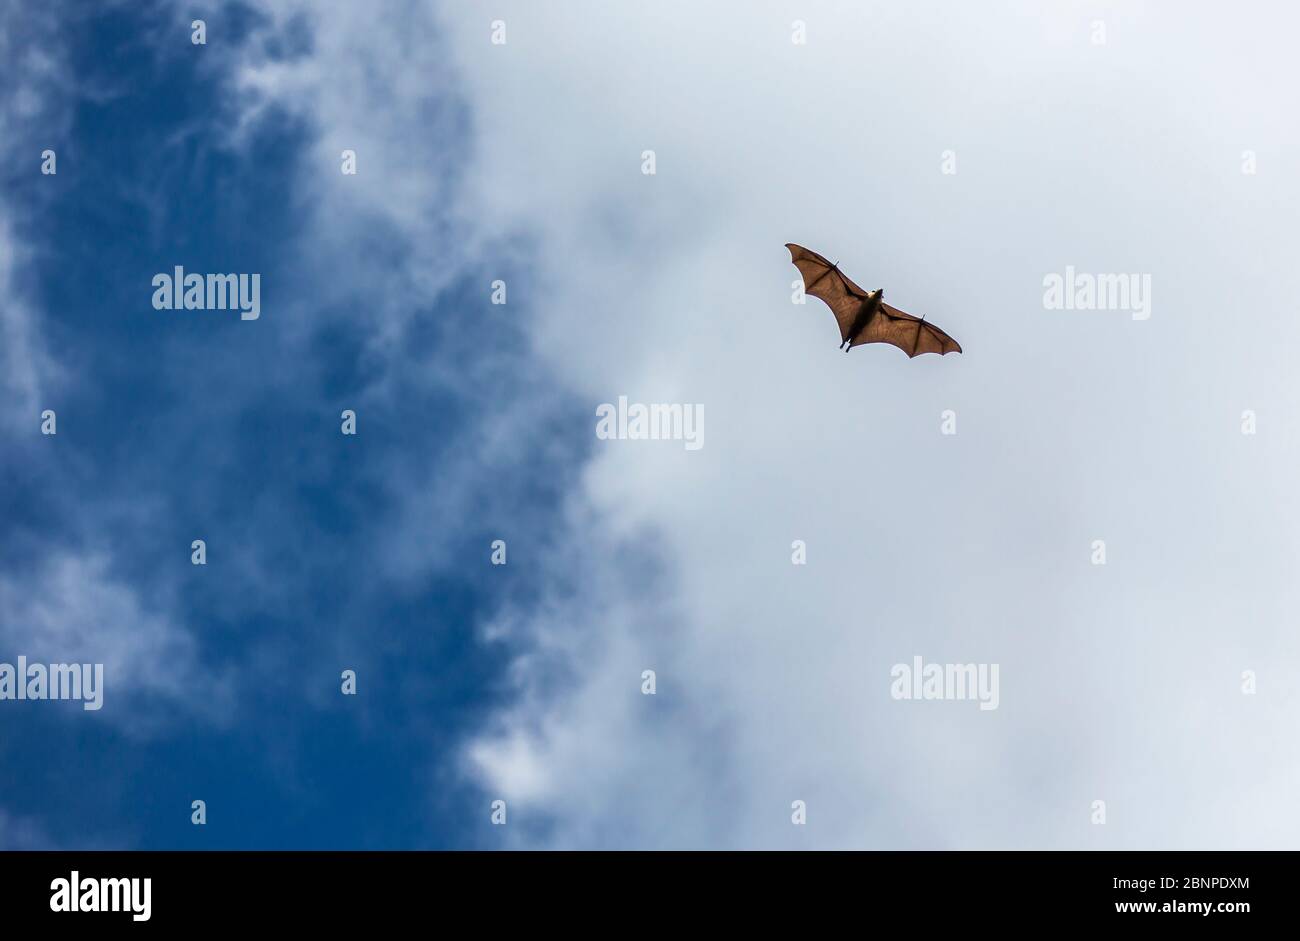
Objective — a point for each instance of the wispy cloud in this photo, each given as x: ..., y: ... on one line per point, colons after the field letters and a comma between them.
x: 72, y: 609
x: 22, y: 833
x: 33, y: 118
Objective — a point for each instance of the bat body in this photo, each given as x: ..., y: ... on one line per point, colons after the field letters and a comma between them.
x: 863, y: 316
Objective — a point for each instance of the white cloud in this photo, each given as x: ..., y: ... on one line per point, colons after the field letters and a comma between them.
x: 1118, y: 683
x: 26, y: 366
x: 72, y: 609
x: 395, y: 252
x: 67, y: 605
x: 31, y: 109
x: 382, y: 90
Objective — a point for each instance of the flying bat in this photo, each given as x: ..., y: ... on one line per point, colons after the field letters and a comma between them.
x: 863, y: 316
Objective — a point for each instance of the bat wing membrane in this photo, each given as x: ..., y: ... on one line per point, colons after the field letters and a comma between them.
x: 912, y: 335
x: 823, y: 280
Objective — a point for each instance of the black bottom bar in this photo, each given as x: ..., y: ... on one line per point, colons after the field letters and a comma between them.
x: 654, y: 890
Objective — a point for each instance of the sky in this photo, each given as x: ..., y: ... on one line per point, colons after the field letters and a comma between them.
x: 957, y: 155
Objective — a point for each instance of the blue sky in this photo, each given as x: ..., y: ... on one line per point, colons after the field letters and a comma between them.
x: 181, y: 425
x: 1151, y: 147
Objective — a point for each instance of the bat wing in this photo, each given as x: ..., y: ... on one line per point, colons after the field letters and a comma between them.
x: 912, y: 335
x: 824, y: 280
